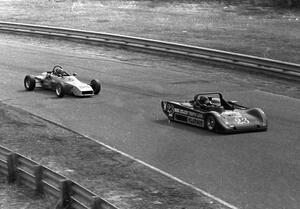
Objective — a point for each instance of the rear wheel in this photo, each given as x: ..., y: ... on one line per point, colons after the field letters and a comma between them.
x: 29, y: 82
x: 210, y: 122
x: 96, y: 86
x: 59, y: 90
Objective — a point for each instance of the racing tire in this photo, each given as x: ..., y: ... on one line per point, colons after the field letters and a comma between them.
x: 96, y: 86
x: 210, y: 123
x: 170, y: 111
x: 29, y: 82
x: 59, y: 90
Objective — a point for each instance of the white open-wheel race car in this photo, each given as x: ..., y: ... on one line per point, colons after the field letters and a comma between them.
x: 62, y: 83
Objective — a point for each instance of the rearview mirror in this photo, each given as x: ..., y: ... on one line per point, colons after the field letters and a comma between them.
x: 74, y: 74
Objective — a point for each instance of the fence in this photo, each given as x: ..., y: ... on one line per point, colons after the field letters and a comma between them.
x: 42, y: 180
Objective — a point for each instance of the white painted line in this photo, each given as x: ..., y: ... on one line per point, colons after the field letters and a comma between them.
x: 277, y: 95
x: 164, y: 173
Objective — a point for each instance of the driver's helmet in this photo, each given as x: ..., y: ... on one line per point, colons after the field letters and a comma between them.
x: 59, y: 71
x: 204, y: 100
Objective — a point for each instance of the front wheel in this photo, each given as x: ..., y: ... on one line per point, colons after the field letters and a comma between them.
x: 96, y: 86
x: 210, y: 123
x: 29, y: 82
x: 59, y: 90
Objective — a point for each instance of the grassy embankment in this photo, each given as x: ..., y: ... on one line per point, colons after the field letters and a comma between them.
x: 274, y: 3
x: 241, y: 28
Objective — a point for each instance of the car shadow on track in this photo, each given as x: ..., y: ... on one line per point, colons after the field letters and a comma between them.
x: 41, y: 91
x: 51, y: 94
x: 185, y: 127
x: 197, y: 130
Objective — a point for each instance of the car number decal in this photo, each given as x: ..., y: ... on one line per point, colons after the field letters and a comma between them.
x: 241, y: 120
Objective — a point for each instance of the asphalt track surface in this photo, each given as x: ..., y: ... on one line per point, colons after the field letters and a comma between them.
x: 251, y: 170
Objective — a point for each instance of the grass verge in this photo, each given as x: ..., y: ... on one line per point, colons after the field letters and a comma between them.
x: 12, y: 197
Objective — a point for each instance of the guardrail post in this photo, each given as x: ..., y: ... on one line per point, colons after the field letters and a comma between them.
x: 12, y: 167
x: 96, y: 203
x: 37, y: 171
x: 65, y: 192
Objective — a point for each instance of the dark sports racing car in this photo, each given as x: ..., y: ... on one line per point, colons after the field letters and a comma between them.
x: 62, y: 83
x: 212, y: 112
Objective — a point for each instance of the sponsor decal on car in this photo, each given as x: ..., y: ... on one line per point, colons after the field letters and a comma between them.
x: 189, y: 120
x: 195, y: 121
x: 188, y: 113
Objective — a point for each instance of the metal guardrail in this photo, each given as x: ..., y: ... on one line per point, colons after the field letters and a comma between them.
x: 258, y: 63
x: 43, y: 180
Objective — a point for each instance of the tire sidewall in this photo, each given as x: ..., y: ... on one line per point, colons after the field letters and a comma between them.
x: 29, y: 83
x: 96, y: 86
x: 210, y: 123
x: 59, y: 90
